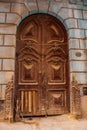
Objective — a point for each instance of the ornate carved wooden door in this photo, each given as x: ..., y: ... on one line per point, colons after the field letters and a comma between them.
x: 42, y: 67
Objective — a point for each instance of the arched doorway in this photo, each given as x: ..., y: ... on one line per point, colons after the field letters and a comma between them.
x: 42, y: 70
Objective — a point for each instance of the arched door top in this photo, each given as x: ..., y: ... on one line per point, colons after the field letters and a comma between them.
x: 42, y: 78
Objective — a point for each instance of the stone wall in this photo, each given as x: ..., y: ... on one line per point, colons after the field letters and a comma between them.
x: 72, y: 13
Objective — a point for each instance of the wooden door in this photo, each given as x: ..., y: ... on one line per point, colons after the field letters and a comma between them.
x: 42, y: 78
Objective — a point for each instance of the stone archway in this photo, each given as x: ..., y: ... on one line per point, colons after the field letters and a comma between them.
x: 19, y: 11
x: 12, y: 101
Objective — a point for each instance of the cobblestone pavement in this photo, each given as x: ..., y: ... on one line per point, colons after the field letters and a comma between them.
x: 64, y: 122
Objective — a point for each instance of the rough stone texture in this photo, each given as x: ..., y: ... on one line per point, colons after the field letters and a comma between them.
x: 9, y: 101
x: 75, y: 6
x: 77, y: 13
x: 71, y: 6
x: 45, y: 5
x: 85, y: 14
x: 72, y: 1
x: 2, y: 17
x: 31, y: 5
x: 1, y: 39
x: 86, y: 43
x: 86, y: 33
x: 71, y: 23
x: 55, y: 6
x: 76, y: 1
x: 76, y: 100
x: 85, y: 2
x: 20, y: 9
x: 4, y: 7
x: 5, y: 77
x: 74, y: 43
x: 7, y: 29
x: 8, y: 64
x: 0, y: 64
x: 76, y: 33
x: 2, y: 92
x: 10, y: 40
x: 65, y: 13
x: 82, y: 24
x: 7, y: 52
x: 80, y: 77
x: 78, y: 66
x: 12, y: 18
x: 82, y: 44
x: 73, y: 55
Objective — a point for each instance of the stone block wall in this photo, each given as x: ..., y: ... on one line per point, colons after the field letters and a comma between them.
x: 72, y: 13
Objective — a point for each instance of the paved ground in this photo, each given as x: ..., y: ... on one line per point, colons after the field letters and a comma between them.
x: 65, y: 122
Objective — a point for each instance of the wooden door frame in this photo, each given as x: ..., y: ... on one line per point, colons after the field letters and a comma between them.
x: 68, y: 73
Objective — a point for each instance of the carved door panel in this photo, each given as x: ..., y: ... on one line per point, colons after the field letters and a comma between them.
x: 42, y: 66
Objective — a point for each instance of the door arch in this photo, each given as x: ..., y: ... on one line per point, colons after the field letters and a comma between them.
x: 42, y: 69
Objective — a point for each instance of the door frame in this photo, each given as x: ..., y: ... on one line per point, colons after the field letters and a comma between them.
x: 68, y: 65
